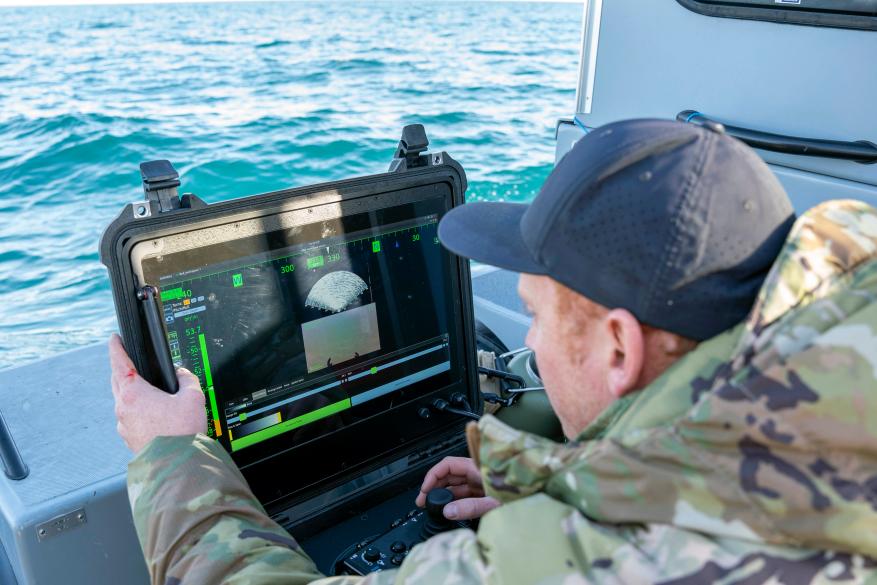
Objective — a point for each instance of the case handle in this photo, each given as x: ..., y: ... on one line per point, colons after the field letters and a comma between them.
x: 149, y: 295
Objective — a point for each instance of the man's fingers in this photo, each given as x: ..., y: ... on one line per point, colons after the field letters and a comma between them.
x: 449, y: 481
x: 121, y: 365
x: 144, y: 412
x: 460, y: 489
x: 187, y: 378
x: 190, y: 383
x: 469, y: 508
x: 119, y: 360
x: 465, y: 491
x: 438, y: 476
x: 190, y: 390
x: 459, y: 466
x: 114, y: 384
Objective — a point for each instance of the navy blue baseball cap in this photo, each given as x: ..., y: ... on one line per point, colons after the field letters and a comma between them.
x: 676, y: 223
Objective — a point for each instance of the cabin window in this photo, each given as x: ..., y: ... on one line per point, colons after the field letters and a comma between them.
x: 859, y: 14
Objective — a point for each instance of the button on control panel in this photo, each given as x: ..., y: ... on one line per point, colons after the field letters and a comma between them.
x: 389, y: 550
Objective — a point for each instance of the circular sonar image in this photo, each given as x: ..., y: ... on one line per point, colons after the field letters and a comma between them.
x: 336, y: 291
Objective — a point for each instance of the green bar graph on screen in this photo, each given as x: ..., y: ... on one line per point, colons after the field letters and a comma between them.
x: 288, y: 425
x: 208, y: 381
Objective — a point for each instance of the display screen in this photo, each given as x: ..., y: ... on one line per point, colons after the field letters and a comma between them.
x: 297, y: 333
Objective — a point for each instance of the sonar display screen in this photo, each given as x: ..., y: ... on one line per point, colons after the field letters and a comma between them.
x: 300, y: 332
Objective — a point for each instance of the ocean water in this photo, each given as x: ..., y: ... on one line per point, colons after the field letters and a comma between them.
x: 246, y: 98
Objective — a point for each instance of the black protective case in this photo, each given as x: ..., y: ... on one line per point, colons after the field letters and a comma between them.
x: 411, y: 166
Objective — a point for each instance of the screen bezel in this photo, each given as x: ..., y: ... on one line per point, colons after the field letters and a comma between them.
x: 391, y: 432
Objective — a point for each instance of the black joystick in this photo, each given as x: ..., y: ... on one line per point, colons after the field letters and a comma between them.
x: 436, y: 500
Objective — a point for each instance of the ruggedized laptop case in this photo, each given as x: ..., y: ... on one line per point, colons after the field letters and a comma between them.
x: 369, y: 473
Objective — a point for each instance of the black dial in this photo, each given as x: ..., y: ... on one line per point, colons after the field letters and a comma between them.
x: 371, y: 554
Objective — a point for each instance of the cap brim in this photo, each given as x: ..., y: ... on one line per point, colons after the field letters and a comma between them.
x: 489, y: 232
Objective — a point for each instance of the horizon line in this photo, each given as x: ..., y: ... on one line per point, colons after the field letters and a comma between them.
x: 58, y: 3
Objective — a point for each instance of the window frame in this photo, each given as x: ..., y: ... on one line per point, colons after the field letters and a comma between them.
x: 792, y: 14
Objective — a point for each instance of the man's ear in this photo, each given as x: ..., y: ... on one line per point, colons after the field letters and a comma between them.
x: 627, y: 344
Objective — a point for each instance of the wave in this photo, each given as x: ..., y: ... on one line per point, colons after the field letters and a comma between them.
x: 496, y: 52
x: 206, y: 42
x: 515, y: 185
x: 104, y: 25
x: 272, y: 44
x: 350, y: 64
x: 18, y: 256
x: 20, y: 126
x: 83, y: 153
x: 443, y: 119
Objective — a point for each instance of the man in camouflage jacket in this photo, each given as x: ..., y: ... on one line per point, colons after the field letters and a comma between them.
x: 752, y: 459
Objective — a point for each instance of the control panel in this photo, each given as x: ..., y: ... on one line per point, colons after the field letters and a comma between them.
x: 388, y: 550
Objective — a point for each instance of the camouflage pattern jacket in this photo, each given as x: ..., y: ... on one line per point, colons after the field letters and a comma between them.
x: 752, y: 460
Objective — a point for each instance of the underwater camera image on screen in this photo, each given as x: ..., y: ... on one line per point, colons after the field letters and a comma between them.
x: 297, y: 334
x: 338, y: 338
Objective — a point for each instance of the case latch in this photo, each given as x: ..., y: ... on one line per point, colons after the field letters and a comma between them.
x: 409, y: 153
x: 160, y: 182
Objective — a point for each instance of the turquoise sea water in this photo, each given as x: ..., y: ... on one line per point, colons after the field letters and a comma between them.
x: 246, y: 98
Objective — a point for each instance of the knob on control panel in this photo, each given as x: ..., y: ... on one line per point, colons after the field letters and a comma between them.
x: 436, y: 500
x: 371, y: 554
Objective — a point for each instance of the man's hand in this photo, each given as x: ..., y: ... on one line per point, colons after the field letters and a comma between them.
x: 144, y: 412
x: 459, y: 475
